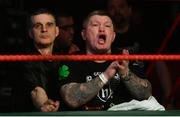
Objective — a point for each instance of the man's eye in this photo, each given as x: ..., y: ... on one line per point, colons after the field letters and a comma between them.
x: 108, y: 25
x: 50, y: 24
x: 37, y: 26
x: 94, y: 24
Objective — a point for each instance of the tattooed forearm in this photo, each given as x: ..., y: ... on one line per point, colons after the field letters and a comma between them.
x: 140, y: 88
x: 77, y: 94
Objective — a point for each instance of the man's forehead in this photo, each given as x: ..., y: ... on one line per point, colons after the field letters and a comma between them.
x: 117, y: 2
x: 96, y: 18
x: 43, y: 18
x: 65, y: 20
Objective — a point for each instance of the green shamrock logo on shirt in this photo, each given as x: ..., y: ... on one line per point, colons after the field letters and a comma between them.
x: 63, y: 72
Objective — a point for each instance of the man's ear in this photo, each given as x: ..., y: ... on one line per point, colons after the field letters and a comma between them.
x: 83, y: 34
x: 130, y: 10
x: 114, y: 35
x: 57, y: 31
x: 30, y: 34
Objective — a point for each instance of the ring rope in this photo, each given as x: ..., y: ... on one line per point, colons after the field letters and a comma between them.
x: 86, y: 57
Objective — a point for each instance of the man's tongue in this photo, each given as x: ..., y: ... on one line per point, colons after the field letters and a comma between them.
x: 101, y: 41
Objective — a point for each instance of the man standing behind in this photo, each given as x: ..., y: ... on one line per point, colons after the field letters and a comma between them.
x: 128, y: 27
x: 64, y: 42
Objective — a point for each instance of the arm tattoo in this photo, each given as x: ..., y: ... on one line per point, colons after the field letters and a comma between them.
x: 77, y: 94
x: 140, y: 88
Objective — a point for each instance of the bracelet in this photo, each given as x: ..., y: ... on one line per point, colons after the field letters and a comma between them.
x: 103, y: 78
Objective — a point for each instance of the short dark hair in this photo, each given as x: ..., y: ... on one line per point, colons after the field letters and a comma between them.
x: 62, y: 15
x: 96, y: 12
x: 129, y: 2
x: 37, y: 12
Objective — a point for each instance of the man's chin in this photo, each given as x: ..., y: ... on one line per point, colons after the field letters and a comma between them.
x: 44, y: 45
x: 103, y: 51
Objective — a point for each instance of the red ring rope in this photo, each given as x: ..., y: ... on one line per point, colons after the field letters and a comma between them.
x: 87, y: 57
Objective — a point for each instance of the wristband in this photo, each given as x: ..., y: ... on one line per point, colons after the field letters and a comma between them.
x: 103, y: 78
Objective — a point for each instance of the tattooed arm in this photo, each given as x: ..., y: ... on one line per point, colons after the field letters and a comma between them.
x: 77, y: 94
x: 140, y: 88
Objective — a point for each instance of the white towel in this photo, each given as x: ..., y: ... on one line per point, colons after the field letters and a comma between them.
x: 151, y: 104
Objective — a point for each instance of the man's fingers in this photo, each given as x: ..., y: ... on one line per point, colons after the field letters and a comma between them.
x: 50, y: 106
x: 125, y: 52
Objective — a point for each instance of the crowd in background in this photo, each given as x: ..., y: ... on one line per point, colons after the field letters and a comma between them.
x: 156, y: 18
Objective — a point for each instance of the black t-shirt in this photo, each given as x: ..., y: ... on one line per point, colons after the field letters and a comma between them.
x: 32, y: 74
x: 113, y: 93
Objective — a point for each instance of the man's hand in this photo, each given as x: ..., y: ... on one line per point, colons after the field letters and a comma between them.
x: 50, y: 106
x: 122, y: 67
x: 42, y: 102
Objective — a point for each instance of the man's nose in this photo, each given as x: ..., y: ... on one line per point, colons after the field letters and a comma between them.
x: 101, y: 28
x: 71, y: 31
x: 44, y: 28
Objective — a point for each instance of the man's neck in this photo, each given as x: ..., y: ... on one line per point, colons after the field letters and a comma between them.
x: 98, y: 61
x: 46, y: 51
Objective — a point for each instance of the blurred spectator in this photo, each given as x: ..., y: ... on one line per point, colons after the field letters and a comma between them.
x: 64, y: 42
x: 160, y: 77
x: 129, y: 32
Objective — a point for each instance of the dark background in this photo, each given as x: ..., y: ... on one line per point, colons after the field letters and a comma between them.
x: 158, y: 18
x: 157, y: 15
